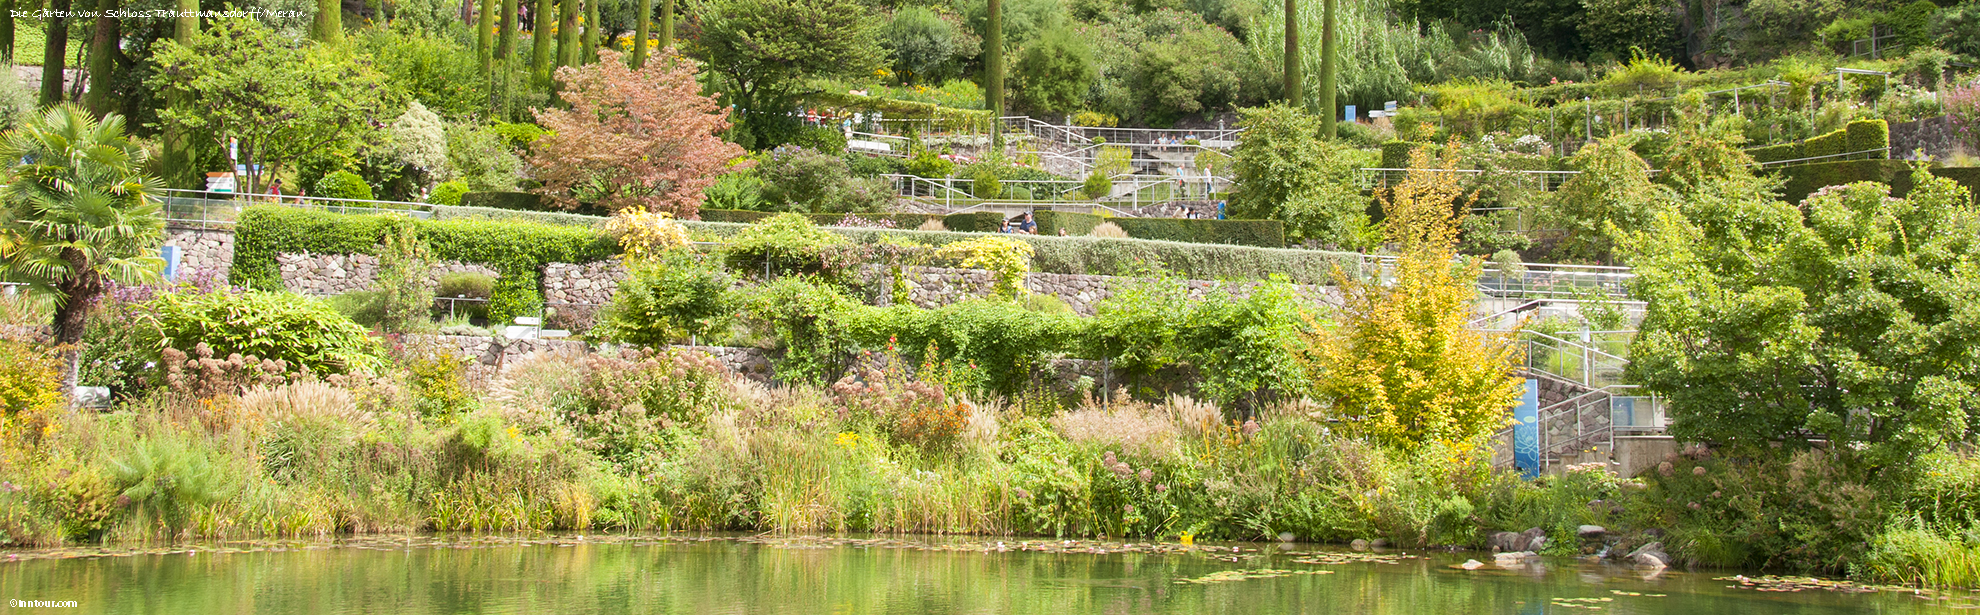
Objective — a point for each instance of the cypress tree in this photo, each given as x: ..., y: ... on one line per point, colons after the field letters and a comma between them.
x: 641, y: 32
x: 540, y: 58
x: 993, y: 72
x: 1329, y: 113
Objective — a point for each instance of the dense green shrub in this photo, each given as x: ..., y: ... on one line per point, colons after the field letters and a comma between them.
x: 782, y: 244
x: 1395, y: 154
x: 447, y: 193
x: 517, y: 250
x: 804, y: 180
x: 343, y: 185
x: 522, y: 201
x: 677, y: 297
x: 277, y: 326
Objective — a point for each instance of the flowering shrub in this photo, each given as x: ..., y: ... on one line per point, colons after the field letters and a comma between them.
x: 914, y: 411
x: 1963, y: 104
x: 644, y: 234
x: 627, y: 401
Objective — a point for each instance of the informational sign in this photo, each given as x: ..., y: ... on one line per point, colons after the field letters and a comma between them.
x: 1349, y: 116
x: 1526, y: 430
x: 170, y: 254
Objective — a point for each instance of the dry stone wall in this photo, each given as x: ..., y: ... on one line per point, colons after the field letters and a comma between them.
x: 336, y: 274
x: 203, y: 251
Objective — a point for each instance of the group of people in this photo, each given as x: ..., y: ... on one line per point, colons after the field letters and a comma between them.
x: 1022, y: 224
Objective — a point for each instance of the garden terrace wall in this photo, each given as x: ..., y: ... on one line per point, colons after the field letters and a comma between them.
x: 336, y: 274
x: 517, y: 250
x: 203, y: 250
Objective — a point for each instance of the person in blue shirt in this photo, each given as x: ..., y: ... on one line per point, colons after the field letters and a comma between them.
x: 1220, y: 210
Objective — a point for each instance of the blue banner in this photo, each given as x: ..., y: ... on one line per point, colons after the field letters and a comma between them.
x: 1526, y: 430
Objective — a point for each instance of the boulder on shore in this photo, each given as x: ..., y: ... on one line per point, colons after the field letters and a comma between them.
x: 1649, y: 556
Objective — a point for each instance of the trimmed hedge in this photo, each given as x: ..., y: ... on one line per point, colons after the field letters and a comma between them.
x: 1866, y: 135
x: 1260, y: 233
x: 1395, y: 154
x: 974, y: 222
x: 523, y: 201
x: 733, y: 215
x: 1858, y: 136
x: 1110, y: 256
x: 1803, y: 180
x: 901, y: 220
x: 516, y: 249
x: 1075, y: 224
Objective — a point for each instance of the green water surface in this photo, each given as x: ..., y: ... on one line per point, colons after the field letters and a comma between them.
x: 676, y: 574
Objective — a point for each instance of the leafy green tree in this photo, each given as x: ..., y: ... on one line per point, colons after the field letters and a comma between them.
x: 428, y: 67
x: 79, y: 215
x: 282, y: 98
x: 1853, y: 322
x: 1055, y: 72
x: 1618, y: 26
x: 921, y: 45
x: 1286, y: 172
x: 1613, y: 191
x: 762, y: 47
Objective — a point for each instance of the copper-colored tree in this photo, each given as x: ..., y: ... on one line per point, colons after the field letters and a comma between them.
x: 632, y: 138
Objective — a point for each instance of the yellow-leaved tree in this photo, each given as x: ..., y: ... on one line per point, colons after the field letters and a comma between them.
x: 1403, y: 366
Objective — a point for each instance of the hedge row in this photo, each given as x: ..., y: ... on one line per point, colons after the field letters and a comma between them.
x: 517, y: 249
x: 1111, y: 256
x: 1803, y: 180
x: 1260, y: 233
x: 1858, y: 136
x: 1074, y: 224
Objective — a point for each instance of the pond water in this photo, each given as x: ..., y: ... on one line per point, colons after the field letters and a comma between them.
x: 732, y: 574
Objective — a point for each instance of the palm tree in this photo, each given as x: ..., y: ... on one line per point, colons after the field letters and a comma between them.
x: 76, y: 213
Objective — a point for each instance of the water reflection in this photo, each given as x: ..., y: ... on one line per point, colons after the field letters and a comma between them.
x: 622, y: 575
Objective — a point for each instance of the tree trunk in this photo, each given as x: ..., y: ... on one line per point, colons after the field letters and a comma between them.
x: 103, y: 53
x: 7, y: 32
x: 178, y: 157
x: 993, y: 71
x: 540, y: 59
x: 485, y: 37
x: 1292, y: 87
x: 590, y: 49
x: 1330, y: 112
x: 329, y: 24
x: 666, y: 24
x: 567, y: 33
x: 54, y: 53
x: 505, y: 45
x: 641, y: 31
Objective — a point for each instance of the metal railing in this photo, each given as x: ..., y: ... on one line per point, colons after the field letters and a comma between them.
x: 1811, y: 159
x: 1368, y: 178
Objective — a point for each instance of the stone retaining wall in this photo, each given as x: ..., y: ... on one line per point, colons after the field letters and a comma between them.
x: 336, y: 274
x: 203, y: 250
x: 931, y: 287
x: 1934, y: 135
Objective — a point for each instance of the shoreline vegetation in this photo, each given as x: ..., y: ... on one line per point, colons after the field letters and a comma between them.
x: 249, y: 413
